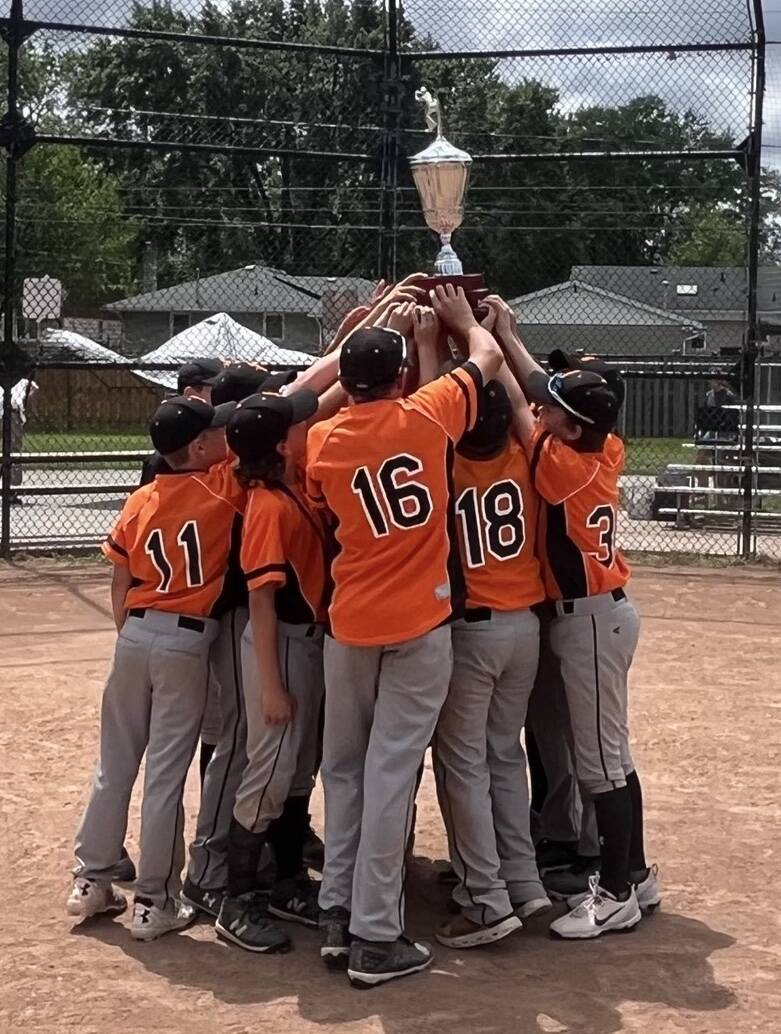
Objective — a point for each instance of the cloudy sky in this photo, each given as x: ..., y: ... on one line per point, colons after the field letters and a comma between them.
x: 713, y: 85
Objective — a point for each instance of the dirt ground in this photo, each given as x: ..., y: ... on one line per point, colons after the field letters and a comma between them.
x: 706, y: 693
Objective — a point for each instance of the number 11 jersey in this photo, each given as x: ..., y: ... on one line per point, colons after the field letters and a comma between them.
x: 384, y: 471
x: 176, y: 536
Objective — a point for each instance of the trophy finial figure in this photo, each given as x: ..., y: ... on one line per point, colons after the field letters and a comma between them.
x: 433, y: 110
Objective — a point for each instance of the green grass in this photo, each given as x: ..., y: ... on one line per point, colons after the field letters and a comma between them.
x: 651, y: 455
x: 85, y: 441
x: 644, y: 455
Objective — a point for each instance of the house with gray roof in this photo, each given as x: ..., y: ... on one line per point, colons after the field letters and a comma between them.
x: 295, y: 312
x: 714, y: 296
x: 577, y: 316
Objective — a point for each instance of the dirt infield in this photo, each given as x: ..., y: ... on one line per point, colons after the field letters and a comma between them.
x: 707, y: 738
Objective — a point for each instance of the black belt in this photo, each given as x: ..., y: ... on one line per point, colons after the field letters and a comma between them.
x: 193, y: 624
x: 478, y: 614
x: 568, y: 606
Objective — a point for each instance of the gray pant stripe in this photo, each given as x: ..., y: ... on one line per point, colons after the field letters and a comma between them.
x: 596, y: 686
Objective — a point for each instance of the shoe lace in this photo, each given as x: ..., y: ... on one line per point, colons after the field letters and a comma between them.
x: 595, y: 896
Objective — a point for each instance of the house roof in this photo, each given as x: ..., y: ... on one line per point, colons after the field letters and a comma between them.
x: 253, y: 288
x: 721, y: 291
x: 576, y: 303
x: 218, y: 337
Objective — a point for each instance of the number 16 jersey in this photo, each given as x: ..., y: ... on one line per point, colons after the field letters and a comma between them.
x: 176, y: 535
x: 384, y: 470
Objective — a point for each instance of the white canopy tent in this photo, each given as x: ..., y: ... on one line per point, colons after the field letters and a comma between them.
x: 70, y: 346
x: 218, y: 337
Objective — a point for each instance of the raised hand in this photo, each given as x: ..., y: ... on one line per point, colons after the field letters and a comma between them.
x: 453, y: 309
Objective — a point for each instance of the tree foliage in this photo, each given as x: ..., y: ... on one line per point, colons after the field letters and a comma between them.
x: 527, y: 223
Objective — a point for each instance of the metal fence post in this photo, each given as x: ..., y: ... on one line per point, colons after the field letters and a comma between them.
x: 752, y: 330
x: 14, y: 38
x: 390, y: 142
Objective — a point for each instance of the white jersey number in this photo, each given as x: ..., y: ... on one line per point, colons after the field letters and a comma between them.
x: 187, y: 538
x: 493, y: 522
x: 603, y: 519
x: 386, y: 500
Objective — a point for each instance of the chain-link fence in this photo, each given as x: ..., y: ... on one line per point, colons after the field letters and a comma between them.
x: 188, y: 178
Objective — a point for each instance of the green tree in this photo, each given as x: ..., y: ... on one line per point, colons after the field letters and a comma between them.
x: 71, y: 221
x: 708, y: 237
x: 71, y: 225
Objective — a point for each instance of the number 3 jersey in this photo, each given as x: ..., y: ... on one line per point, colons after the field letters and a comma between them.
x: 578, y: 520
x: 497, y: 510
x: 176, y: 535
x: 384, y: 470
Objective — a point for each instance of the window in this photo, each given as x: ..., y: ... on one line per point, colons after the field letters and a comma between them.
x: 690, y: 289
x: 179, y: 321
x: 275, y: 326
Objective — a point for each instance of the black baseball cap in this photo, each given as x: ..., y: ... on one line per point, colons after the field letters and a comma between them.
x: 371, y: 357
x: 495, y: 415
x: 238, y: 381
x: 559, y: 360
x: 197, y: 373
x: 585, y: 396
x: 259, y: 423
x: 179, y: 420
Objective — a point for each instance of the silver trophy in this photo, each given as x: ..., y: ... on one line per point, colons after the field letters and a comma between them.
x: 441, y: 175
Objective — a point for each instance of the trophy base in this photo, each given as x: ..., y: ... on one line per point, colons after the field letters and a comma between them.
x: 473, y: 285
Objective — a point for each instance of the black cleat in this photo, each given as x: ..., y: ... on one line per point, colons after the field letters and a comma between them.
x: 244, y: 921
x: 335, y: 937
x: 376, y: 962
x: 296, y: 901
x: 208, y: 901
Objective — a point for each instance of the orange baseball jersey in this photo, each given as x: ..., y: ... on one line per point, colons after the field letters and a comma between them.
x: 283, y: 544
x: 176, y: 535
x: 577, y: 529
x: 497, y: 511
x: 384, y: 470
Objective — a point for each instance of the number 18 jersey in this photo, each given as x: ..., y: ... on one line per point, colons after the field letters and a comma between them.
x: 578, y: 525
x: 497, y: 508
x: 384, y: 470
x: 176, y: 536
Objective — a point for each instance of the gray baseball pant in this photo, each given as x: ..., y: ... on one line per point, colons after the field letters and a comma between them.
x: 480, y: 764
x: 595, y: 645
x: 567, y: 815
x: 381, y: 707
x: 153, y: 701
x: 208, y: 866
x: 211, y: 726
x: 281, y: 759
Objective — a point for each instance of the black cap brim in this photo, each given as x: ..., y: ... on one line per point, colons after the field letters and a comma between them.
x: 222, y: 414
x: 303, y: 404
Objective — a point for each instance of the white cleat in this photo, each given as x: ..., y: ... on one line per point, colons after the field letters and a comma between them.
x: 92, y: 898
x: 600, y: 913
x: 529, y: 909
x: 649, y: 891
x: 151, y: 922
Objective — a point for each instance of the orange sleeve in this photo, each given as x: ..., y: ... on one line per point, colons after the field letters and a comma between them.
x: 263, y: 557
x: 557, y: 471
x: 451, y: 400
x: 114, y: 547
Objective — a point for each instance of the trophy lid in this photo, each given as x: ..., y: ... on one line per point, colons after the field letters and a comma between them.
x: 438, y: 152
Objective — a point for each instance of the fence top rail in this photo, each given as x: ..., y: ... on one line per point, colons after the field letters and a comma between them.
x: 33, y: 458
